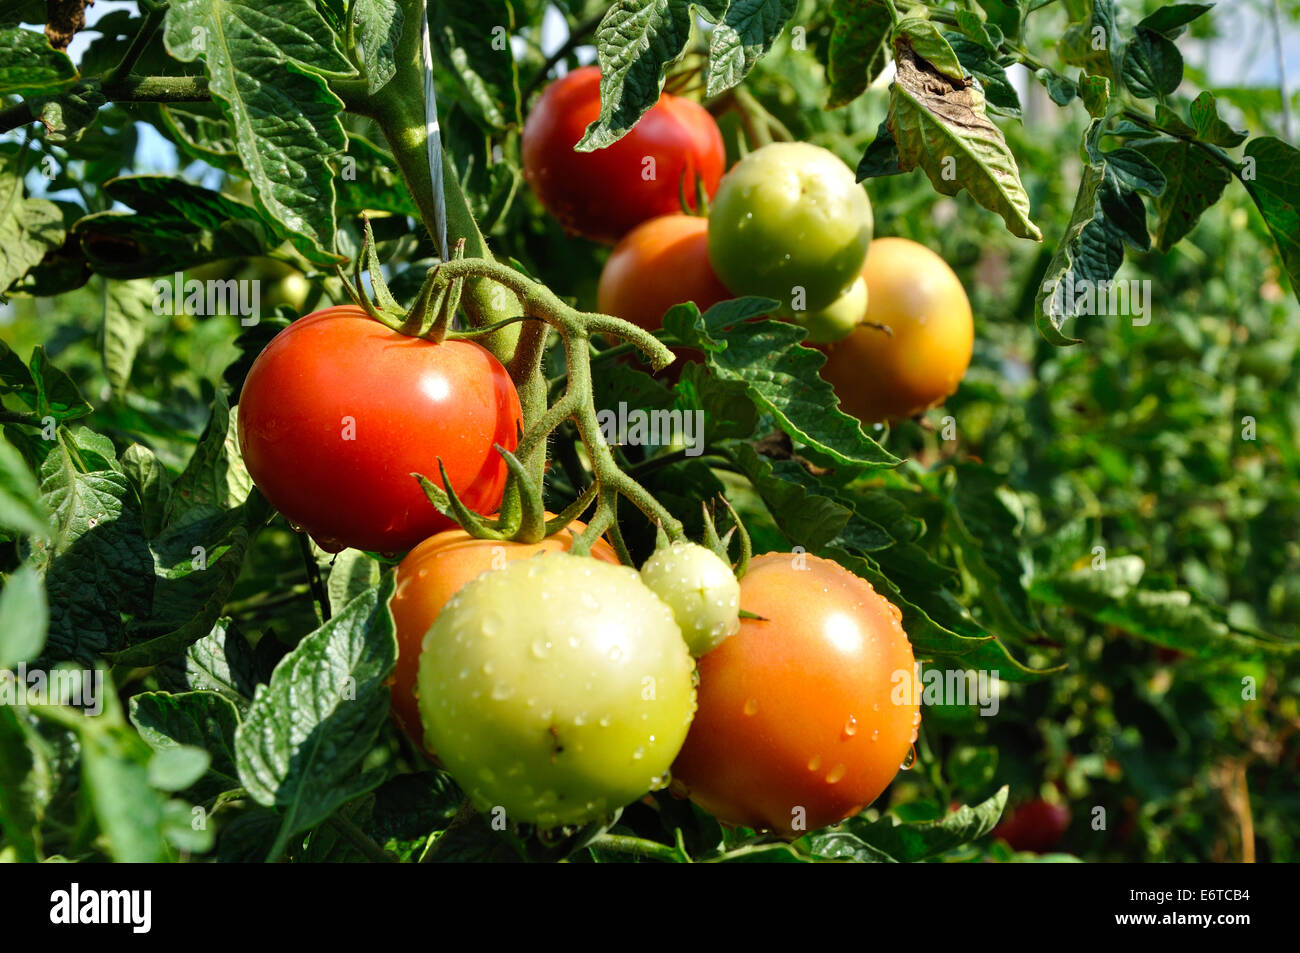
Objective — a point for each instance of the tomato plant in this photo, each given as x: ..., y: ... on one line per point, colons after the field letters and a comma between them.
x: 431, y: 574
x: 604, y: 194
x: 808, y: 712
x: 339, y: 412
x: 558, y: 688
x: 317, y: 328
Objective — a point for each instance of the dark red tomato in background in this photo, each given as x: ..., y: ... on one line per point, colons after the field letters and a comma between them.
x: 339, y: 411
x: 1036, y: 825
x: 605, y: 193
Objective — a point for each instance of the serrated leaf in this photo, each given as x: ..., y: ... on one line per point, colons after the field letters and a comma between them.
x: 29, y: 66
x: 379, y: 27
x: 1274, y: 184
x: 1195, y: 181
x: 743, y: 35
x: 1209, y: 127
x: 126, y: 307
x: 222, y: 662
x: 806, y: 518
x: 781, y: 377
x: 203, y: 720
x: 175, y: 226
x: 152, y: 485
x: 859, y: 48
x: 1153, y: 67
x: 24, y: 617
x: 215, y: 479
x: 941, y: 126
x: 307, y: 731
x: 28, y: 227
x: 635, y: 42
x: 265, y: 62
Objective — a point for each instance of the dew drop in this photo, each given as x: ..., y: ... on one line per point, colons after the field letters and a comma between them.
x: 851, y: 727
x: 814, y: 762
x: 751, y: 707
x: 541, y: 648
x: 910, y: 760
x: 836, y: 774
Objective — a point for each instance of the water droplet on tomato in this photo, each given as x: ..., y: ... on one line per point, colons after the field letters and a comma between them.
x: 910, y: 760
x: 814, y: 762
x: 836, y: 774
x: 851, y: 727
x: 751, y: 707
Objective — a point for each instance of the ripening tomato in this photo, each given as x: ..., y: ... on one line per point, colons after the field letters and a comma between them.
x: 660, y: 263
x: 605, y: 193
x: 558, y: 688
x: 880, y: 376
x: 339, y: 411
x: 806, y: 715
x: 790, y: 222
x: 435, y: 571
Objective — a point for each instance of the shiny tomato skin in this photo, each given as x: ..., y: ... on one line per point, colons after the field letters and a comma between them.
x: 912, y: 291
x: 431, y: 574
x: 339, y: 411
x: 605, y: 193
x: 797, y: 725
x: 660, y: 263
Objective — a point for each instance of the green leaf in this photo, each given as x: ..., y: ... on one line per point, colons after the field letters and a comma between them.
x: 1092, y: 43
x: 881, y: 157
x: 24, y: 617
x: 23, y: 776
x: 67, y: 117
x: 175, y: 226
x: 222, y: 662
x: 306, y: 732
x: 1153, y: 67
x: 1095, y: 93
x: 907, y: 843
x: 29, y: 66
x: 20, y: 503
x: 859, y: 48
x: 353, y: 573
x: 806, y: 517
x: 1172, y: 20
x: 114, y: 761
x: 203, y: 720
x: 175, y: 768
x: 126, y: 304
x: 28, y: 227
x: 152, y: 485
x: 744, y: 35
x: 1209, y: 127
x: 941, y: 126
x: 635, y: 42
x: 780, y: 376
x: 265, y: 62
x: 1195, y: 182
x: 216, y: 478
x: 379, y: 27
x: 56, y: 394
x: 1274, y: 184
x: 473, y: 38
x: 97, y: 565
x: 929, y: 44
x: 1173, y: 618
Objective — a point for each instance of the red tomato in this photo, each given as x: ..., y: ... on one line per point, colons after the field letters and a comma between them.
x: 605, y: 193
x: 435, y: 571
x: 1036, y: 825
x: 806, y: 716
x: 658, y: 264
x: 339, y: 411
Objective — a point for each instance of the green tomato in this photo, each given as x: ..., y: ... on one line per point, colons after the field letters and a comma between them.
x: 837, y: 319
x: 558, y: 688
x: 701, y: 590
x: 790, y: 222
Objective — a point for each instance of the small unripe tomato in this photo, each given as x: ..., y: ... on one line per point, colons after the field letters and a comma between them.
x: 701, y: 590
x: 558, y: 688
x: 838, y: 319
